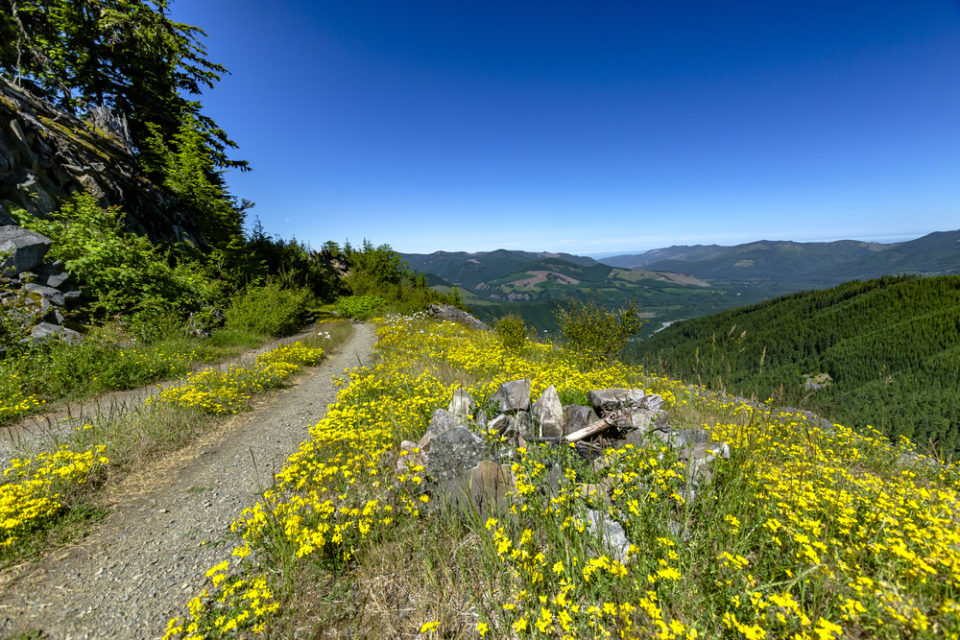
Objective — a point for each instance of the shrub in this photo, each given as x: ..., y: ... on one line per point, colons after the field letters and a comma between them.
x: 512, y: 331
x: 268, y: 309
x: 595, y: 332
x: 360, y: 307
x: 120, y: 271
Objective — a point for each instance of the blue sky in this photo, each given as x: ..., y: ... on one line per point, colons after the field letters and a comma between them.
x: 589, y: 127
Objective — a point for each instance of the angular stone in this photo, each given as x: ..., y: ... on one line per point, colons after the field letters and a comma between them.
x: 502, y: 424
x: 442, y: 420
x: 547, y: 414
x: 514, y: 395
x: 26, y: 248
x: 479, y: 490
x: 57, y: 280
x: 461, y: 405
x: 47, y: 293
x: 576, y: 417
x: 46, y: 330
x: 524, y: 425
x: 637, y: 418
x: 610, y: 533
x: 453, y: 452
x: 71, y: 298
x: 604, y: 400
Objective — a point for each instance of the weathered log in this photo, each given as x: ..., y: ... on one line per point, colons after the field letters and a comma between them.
x: 596, y: 427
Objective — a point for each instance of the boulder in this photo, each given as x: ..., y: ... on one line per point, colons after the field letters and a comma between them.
x: 638, y: 419
x: 408, y: 457
x: 462, y: 404
x: 441, y: 421
x: 482, y: 489
x: 26, y: 249
x: 503, y: 424
x: 55, y: 296
x: 576, y: 417
x: 452, y: 452
x: 604, y: 400
x: 547, y: 413
x: 46, y: 330
x: 449, y: 312
x: 524, y: 425
x: 610, y: 533
x: 513, y: 396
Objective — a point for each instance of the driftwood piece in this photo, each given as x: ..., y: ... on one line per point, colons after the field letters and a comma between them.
x: 599, y: 426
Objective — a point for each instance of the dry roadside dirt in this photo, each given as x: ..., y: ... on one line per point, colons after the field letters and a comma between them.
x: 170, y: 522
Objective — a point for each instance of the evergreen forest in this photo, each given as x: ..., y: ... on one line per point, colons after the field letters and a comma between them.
x: 883, y: 353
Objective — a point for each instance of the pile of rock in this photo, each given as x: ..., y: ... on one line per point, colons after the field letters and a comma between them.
x: 463, y: 471
x: 48, y: 287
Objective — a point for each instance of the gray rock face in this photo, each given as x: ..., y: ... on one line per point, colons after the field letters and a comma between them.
x: 514, y: 396
x: 26, y: 248
x: 640, y: 419
x: 610, y: 533
x: 449, y: 312
x: 481, y: 489
x: 547, y: 414
x: 503, y: 424
x: 47, y: 329
x: 604, y: 400
x: 453, y: 452
x: 577, y: 416
x: 55, y: 296
x: 441, y: 421
x: 462, y: 404
x: 524, y: 425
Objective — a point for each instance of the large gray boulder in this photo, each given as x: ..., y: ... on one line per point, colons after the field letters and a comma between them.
x: 513, y: 396
x: 452, y: 452
x: 462, y: 404
x: 547, y: 414
x: 26, y: 249
x: 604, y: 400
x: 481, y: 489
x: 576, y: 417
x: 610, y: 533
x: 55, y: 296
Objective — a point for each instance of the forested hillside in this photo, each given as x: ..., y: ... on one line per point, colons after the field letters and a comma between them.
x: 884, y: 353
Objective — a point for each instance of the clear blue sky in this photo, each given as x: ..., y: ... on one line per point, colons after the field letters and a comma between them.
x: 589, y: 127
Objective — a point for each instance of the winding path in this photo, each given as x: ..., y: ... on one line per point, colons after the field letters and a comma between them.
x: 140, y: 565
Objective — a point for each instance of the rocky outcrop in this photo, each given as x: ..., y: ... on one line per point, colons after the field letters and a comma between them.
x: 449, y: 312
x: 46, y: 155
x: 37, y: 294
x: 466, y: 473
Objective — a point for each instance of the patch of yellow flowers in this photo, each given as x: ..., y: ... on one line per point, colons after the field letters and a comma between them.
x: 30, y: 492
x: 223, y: 392
x: 808, y: 532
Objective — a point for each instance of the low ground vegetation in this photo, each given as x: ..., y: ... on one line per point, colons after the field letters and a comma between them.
x: 807, y: 531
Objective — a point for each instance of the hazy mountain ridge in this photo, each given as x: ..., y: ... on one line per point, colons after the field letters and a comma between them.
x: 813, y: 263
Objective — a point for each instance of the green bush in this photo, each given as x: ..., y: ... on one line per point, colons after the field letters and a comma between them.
x: 268, y: 309
x: 512, y: 332
x: 597, y: 333
x: 118, y: 270
x: 360, y: 307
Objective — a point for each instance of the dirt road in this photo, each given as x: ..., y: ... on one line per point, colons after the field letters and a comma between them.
x: 148, y: 557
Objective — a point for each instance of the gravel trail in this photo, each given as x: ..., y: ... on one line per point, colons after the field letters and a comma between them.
x: 140, y: 565
x: 53, y: 426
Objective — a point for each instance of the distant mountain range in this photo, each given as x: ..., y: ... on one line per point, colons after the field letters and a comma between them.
x: 676, y: 282
x: 814, y: 263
